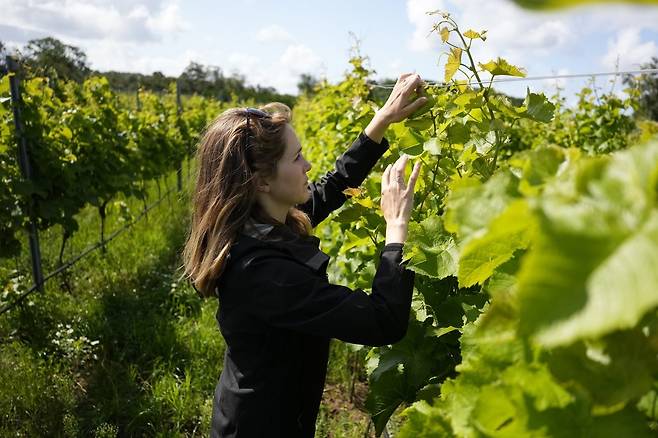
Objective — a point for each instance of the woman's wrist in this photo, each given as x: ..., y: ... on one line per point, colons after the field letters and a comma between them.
x: 396, y: 233
x: 377, y: 127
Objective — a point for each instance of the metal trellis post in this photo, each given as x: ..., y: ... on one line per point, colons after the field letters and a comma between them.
x: 26, y: 171
x: 179, y: 111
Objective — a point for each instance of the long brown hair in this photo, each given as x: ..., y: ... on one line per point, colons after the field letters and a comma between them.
x: 225, y: 194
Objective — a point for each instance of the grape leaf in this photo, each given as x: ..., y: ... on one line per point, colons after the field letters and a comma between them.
x: 592, y: 268
x: 453, y: 63
x: 501, y: 67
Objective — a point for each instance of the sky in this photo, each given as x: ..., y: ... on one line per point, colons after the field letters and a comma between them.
x: 271, y: 43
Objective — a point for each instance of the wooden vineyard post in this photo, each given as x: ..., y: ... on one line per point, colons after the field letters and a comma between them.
x: 26, y: 171
x: 179, y: 112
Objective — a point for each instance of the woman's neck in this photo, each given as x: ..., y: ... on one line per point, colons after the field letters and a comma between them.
x: 273, y: 209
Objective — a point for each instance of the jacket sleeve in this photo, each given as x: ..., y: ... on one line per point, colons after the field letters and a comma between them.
x: 352, y: 168
x: 287, y: 294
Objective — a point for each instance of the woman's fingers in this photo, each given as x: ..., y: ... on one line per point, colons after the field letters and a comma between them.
x: 401, y: 102
x: 398, y: 170
x: 414, y: 177
x: 400, y: 166
x: 397, y: 198
x: 412, y: 84
x: 386, y: 176
x: 415, y: 105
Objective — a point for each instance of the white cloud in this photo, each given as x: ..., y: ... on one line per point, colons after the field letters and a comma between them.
x: 95, y: 19
x: 613, y: 18
x: 108, y: 55
x: 511, y: 29
x: 536, y: 40
x: 417, y: 14
x: 299, y: 58
x: 282, y: 73
x: 393, y: 69
x: 247, y: 65
x: 273, y: 33
x: 168, y: 20
x: 629, y: 50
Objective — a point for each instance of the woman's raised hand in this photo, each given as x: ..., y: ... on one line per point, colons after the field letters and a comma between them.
x: 398, y: 199
x: 402, y: 101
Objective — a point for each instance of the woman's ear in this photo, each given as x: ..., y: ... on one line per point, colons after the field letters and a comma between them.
x: 262, y: 185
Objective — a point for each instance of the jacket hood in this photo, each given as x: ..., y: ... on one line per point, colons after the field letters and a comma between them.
x: 303, y: 249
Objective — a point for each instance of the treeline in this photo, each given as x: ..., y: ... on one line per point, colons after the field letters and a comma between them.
x: 52, y: 58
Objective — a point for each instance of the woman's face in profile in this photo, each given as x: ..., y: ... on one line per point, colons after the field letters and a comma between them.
x: 290, y: 184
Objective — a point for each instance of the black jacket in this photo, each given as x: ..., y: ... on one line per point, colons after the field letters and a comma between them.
x: 277, y: 313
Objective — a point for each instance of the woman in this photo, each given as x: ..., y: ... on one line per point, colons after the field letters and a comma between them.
x: 250, y: 245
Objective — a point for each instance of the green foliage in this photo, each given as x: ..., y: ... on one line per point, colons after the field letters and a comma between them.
x: 647, y: 87
x: 533, y: 239
x: 126, y: 350
x: 592, y: 268
x: 598, y: 123
x: 86, y: 146
x: 10, y: 200
x: 402, y: 372
x: 51, y: 57
x: 36, y: 394
x: 534, y: 250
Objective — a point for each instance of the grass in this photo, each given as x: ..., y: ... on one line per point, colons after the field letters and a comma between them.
x: 118, y: 347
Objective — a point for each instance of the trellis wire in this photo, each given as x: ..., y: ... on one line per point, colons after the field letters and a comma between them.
x: 84, y: 253
x: 536, y: 78
x: 24, y: 161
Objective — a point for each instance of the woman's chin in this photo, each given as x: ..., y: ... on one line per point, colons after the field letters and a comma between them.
x: 307, y: 195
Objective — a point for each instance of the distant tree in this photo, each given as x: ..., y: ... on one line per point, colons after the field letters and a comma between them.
x: 307, y: 84
x: 210, y: 81
x: 195, y: 72
x: 195, y: 79
x: 52, y: 58
x: 157, y: 81
x: 648, y: 87
x: 49, y: 56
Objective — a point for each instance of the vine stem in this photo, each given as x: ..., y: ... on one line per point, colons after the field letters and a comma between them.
x: 427, y: 192
x: 497, y: 148
x: 485, y: 94
x: 374, y: 241
x: 454, y: 161
x: 436, y: 167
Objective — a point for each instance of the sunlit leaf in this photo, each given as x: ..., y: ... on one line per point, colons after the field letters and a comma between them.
x: 445, y: 34
x: 501, y: 67
x: 472, y: 34
x: 453, y: 63
x: 592, y: 268
x: 353, y: 191
x: 506, y: 234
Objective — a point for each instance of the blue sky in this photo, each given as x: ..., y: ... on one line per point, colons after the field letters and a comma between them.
x: 272, y: 43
